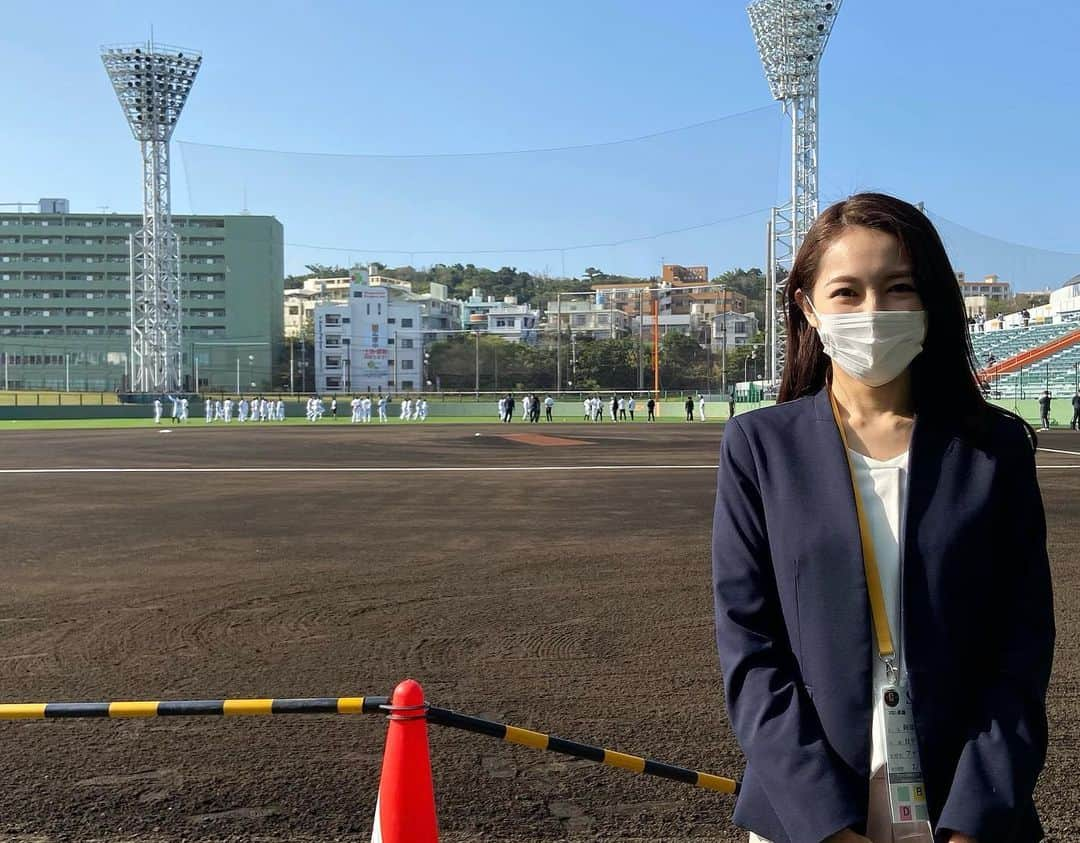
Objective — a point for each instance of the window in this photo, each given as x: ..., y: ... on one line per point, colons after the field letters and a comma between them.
x: 405, y: 343
x: 333, y: 342
x: 406, y: 323
x: 408, y: 364
x: 333, y: 361
x: 407, y: 385
x: 345, y: 320
x: 294, y: 311
x: 333, y: 383
x: 332, y: 319
x: 391, y: 321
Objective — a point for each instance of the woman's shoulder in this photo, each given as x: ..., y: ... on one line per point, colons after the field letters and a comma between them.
x: 778, y: 417
x: 1007, y: 434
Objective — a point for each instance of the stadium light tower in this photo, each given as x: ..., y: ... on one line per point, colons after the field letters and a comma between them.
x: 791, y: 36
x: 152, y: 82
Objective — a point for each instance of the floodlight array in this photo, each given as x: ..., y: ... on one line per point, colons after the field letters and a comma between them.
x: 152, y: 84
x: 791, y: 36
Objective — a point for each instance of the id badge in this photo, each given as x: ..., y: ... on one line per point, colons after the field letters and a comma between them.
x: 903, y: 770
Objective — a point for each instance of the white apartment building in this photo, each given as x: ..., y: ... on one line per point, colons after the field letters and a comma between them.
x: 596, y: 319
x: 300, y: 302
x: 991, y: 286
x: 669, y: 323
x: 503, y: 318
x: 740, y: 329
x: 374, y: 341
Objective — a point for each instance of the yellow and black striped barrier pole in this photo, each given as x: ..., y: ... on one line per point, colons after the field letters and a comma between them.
x: 608, y: 757
x: 190, y: 708
x: 366, y: 705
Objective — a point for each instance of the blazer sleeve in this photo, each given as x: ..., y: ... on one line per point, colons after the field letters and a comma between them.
x: 1006, y: 744
x: 813, y: 792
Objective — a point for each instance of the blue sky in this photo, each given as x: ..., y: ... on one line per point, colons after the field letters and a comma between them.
x: 968, y: 106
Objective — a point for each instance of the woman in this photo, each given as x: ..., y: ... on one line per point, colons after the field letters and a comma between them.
x: 879, y: 535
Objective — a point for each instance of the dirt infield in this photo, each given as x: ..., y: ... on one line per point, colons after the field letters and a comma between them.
x: 564, y: 589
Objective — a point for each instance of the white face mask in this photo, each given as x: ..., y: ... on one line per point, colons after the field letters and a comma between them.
x: 875, y: 347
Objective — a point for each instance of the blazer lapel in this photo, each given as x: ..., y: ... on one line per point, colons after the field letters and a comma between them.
x: 837, y: 500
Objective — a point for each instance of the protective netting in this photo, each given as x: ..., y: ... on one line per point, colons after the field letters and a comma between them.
x: 695, y: 195
x: 1026, y: 268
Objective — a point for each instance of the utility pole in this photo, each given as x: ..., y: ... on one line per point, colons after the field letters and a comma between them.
x: 558, y: 342
x: 640, y: 339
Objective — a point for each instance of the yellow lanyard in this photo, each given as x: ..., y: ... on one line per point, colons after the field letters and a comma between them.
x: 873, y: 578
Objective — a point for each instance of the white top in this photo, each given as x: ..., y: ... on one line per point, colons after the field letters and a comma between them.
x: 883, y: 487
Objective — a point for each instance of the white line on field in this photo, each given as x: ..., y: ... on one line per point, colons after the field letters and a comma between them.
x: 349, y: 469
x: 467, y: 469
x: 1056, y: 451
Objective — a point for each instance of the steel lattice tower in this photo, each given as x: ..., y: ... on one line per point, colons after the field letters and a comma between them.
x: 791, y: 36
x: 152, y: 82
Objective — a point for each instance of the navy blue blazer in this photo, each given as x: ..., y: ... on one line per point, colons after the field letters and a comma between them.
x: 794, y: 631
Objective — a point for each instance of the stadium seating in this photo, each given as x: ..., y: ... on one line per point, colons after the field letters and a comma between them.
x: 1012, y: 341
x: 1058, y: 373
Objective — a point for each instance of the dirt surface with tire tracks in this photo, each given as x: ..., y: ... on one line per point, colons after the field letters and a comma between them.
x: 575, y: 602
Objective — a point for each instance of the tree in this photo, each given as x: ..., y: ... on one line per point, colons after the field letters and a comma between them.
x: 608, y: 362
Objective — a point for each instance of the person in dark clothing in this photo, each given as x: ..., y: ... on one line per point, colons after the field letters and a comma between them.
x: 689, y: 408
x: 1076, y: 411
x: 509, y: 417
x: 1044, y: 410
x: 650, y: 405
x: 731, y: 404
x: 535, y: 405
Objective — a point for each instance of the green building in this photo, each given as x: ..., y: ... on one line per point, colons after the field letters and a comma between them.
x: 65, y: 290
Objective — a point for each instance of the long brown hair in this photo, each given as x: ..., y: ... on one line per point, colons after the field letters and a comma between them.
x: 943, y: 375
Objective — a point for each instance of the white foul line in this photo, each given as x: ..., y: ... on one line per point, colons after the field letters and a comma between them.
x: 1056, y: 451
x: 347, y: 469
x: 440, y: 469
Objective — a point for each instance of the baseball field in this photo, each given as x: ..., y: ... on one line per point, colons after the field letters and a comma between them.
x: 556, y: 579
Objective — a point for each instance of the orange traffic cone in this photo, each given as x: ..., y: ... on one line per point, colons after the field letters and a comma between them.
x: 405, y: 811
